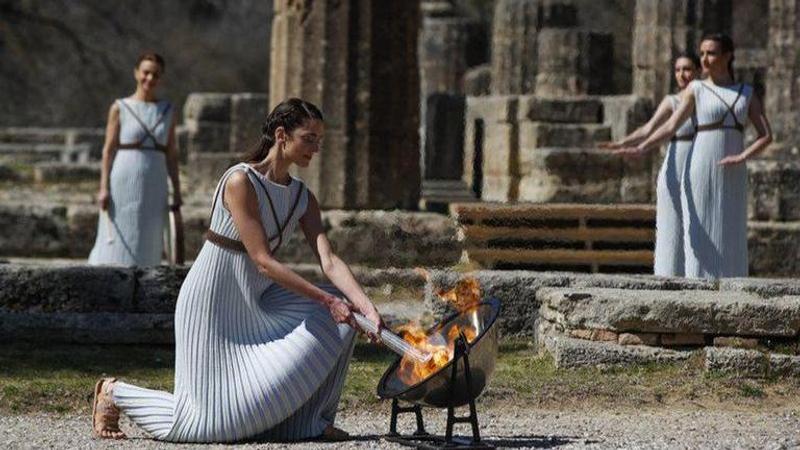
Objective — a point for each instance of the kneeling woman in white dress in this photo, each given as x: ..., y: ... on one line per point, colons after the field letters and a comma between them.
x: 714, y: 180
x: 669, y: 259
x: 261, y: 353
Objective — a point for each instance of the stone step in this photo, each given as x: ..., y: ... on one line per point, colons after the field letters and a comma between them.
x: 572, y: 353
x: 565, y: 109
x: 57, y: 172
x: 35, y: 152
x: 482, y: 212
x: 711, y: 313
x: 534, y: 135
x: 583, y: 175
x: 438, y: 194
x: 774, y: 190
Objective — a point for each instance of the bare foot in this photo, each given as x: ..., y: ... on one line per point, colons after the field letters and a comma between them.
x: 105, y: 415
x: 331, y: 433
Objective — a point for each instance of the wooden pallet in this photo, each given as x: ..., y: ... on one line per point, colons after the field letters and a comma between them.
x: 580, y: 237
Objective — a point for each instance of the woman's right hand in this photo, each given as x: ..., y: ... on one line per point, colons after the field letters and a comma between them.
x: 103, y: 198
x: 340, y: 310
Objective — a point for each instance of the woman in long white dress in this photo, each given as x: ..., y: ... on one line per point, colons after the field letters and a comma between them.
x: 669, y: 257
x: 260, y: 351
x: 715, y: 177
x: 139, y: 155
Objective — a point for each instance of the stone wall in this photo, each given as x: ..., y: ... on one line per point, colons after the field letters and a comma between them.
x: 64, y: 61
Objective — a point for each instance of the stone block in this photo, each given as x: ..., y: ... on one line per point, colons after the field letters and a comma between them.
x: 500, y: 188
x: 87, y: 328
x: 534, y: 135
x: 567, y: 110
x: 625, y: 113
x: 638, y: 339
x: 773, y: 248
x: 57, y: 172
x: 736, y: 342
x: 774, y: 190
x: 569, y: 175
x: 574, y: 62
x: 682, y: 339
x: 33, y: 230
x: 571, y: 353
x: 748, y: 363
x: 493, y: 109
x: 73, y: 289
x: 248, y: 113
x: 81, y: 230
x: 205, y: 169
x: 477, y: 80
x: 207, y: 137
x: 763, y: 287
x: 595, y: 335
x: 207, y: 107
x: 784, y: 365
x: 684, y: 312
x: 157, y: 289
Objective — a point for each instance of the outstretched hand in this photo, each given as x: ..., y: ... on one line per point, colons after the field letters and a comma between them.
x: 732, y: 160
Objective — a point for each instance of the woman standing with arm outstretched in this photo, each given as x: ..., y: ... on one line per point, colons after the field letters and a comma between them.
x: 139, y: 156
x: 715, y: 177
x: 669, y: 256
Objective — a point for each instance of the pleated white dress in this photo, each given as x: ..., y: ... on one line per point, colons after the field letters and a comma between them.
x: 715, y: 200
x: 138, y: 187
x: 253, y: 360
x: 669, y: 259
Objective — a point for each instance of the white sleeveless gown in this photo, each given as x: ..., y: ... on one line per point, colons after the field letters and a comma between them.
x: 669, y: 257
x: 252, y: 359
x: 138, y: 189
x: 715, y: 200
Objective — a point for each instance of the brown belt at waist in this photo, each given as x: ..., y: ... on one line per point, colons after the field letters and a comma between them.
x: 719, y: 126
x: 158, y: 148
x: 224, y: 242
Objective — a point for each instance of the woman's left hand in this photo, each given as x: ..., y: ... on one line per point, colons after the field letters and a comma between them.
x: 732, y: 160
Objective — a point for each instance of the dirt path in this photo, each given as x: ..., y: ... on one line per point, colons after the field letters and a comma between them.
x: 504, y: 426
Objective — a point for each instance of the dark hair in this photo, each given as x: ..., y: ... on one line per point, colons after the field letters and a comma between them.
x: 290, y: 114
x: 691, y: 56
x: 151, y: 56
x: 726, y: 43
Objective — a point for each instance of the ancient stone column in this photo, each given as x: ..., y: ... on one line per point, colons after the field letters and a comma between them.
x: 662, y: 28
x: 783, y: 72
x: 357, y: 60
x: 514, y: 50
x: 574, y: 62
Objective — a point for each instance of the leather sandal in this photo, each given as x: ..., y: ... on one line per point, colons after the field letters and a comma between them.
x: 105, y: 415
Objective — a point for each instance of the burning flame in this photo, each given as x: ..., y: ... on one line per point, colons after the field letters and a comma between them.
x: 465, y: 297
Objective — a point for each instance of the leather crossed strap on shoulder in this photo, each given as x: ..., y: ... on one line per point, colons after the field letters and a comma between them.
x: 238, y: 246
x: 150, y: 133
x: 720, y: 124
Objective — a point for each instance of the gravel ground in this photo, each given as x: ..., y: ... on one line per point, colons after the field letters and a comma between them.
x: 504, y: 427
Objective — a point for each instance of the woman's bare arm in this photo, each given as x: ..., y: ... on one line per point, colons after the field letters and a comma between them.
x: 109, y: 151
x: 332, y: 266
x: 659, y: 117
x: 667, y: 129
x: 241, y: 200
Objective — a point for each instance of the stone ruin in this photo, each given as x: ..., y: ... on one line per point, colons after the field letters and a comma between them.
x: 519, y: 126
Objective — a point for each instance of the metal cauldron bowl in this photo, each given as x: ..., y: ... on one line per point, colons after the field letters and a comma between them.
x: 434, y: 391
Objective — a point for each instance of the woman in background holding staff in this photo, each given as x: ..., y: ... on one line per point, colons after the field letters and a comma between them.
x: 139, y: 155
x: 715, y: 177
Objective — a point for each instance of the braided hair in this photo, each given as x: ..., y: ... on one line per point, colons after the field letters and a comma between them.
x: 726, y: 43
x: 290, y: 114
